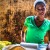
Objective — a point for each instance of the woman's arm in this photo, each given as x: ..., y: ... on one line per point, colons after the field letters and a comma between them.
x: 46, y: 38
x: 23, y: 32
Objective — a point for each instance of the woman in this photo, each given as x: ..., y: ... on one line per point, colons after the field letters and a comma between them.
x: 36, y: 26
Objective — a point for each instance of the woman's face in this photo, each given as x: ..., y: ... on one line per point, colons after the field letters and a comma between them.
x: 40, y: 10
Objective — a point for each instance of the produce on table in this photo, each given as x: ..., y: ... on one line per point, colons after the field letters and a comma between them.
x: 4, y: 43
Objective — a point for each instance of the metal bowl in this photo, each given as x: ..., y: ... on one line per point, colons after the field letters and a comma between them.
x: 26, y: 46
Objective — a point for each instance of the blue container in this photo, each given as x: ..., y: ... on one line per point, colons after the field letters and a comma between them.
x: 42, y: 46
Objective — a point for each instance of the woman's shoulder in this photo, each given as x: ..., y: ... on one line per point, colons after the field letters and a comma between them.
x: 47, y: 20
x: 30, y: 17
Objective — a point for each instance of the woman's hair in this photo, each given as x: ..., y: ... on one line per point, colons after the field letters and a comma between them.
x: 39, y: 2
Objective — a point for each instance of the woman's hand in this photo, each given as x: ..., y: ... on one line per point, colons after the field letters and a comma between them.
x: 48, y: 47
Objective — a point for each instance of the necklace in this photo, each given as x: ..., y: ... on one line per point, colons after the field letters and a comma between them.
x: 37, y: 19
